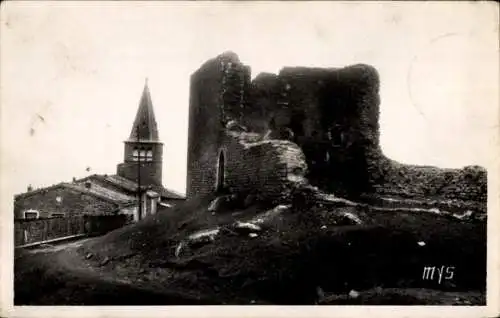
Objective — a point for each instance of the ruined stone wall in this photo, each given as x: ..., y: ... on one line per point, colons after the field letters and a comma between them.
x: 309, y: 102
x: 331, y: 114
x: 220, y: 94
x: 266, y: 168
x: 207, y: 116
x: 262, y: 103
x: 410, y: 181
x: 235, y: 86
x: 344, y: 102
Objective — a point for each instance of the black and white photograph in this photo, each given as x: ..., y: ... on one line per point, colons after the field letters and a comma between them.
x: 319, y: 155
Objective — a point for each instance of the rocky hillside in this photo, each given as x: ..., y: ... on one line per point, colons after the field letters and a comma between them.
x: 302, y: 251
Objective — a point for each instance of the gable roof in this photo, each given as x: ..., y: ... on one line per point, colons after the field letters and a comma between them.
x: 115, y: 180
x: 96, y: 191
x: 103, y: 193
x: 127, y: 195
x: 39, y: 190
x: 130, y: 186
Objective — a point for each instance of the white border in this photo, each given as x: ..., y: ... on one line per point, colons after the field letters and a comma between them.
x: 491, y: 310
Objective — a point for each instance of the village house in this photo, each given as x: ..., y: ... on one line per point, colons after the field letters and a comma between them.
x: 140, y: 174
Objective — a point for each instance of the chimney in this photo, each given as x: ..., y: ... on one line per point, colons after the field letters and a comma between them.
x: 30, y: 188
x: 74, y: 179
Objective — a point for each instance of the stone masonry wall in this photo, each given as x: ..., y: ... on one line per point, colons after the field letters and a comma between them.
x: 332, y: 114
x: 151, y: 172
x: 409, y: 181
x: 207, y: 118
x: 315, y: 102
x: 266, y: 168
x: 72, y: 203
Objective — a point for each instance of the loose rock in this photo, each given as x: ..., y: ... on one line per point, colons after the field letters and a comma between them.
x: 105, y: 261
x: 353, y: 294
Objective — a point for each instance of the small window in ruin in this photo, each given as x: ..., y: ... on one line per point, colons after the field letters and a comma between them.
x: 272, y: 123
x: 297, y: 124
x: 335, y: 135
x: 220, y: 181
x: 339, y: 139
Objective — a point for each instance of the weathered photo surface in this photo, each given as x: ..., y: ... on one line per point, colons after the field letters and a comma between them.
x: 249, y: 154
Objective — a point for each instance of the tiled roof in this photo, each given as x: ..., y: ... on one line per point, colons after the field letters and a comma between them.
x: 35, y: 191
x: 118, y: 181
x: 103, y: 193
x: 95, y: 191
x: 100, y: 190
x: 121, y: 181
x: 131, y: 186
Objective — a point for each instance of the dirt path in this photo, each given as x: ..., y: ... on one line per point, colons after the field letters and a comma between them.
x: 49, y: 248
x: 57, y: 275
x: 63, y: 275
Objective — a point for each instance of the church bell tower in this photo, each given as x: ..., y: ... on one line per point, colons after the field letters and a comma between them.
x: 143, y: 155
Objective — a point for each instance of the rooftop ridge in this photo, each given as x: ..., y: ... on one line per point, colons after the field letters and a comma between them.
x: 96, y: 194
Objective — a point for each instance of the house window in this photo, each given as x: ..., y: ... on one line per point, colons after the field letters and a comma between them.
x: 31, y: 214
x: 149, y: 155
x: 57, y: 215
x: 135, y: 155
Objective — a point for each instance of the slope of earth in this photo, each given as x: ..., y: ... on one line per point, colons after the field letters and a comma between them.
x: 58, y: 276
x: 228, y: 253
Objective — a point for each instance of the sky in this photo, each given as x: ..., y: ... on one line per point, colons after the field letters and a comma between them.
x: 72, y: 74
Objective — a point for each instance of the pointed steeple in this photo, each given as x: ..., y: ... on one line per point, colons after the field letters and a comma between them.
x: 145, y: 127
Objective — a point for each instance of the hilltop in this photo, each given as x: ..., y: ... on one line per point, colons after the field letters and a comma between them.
x: 289, y: 253
x: 291, y: 201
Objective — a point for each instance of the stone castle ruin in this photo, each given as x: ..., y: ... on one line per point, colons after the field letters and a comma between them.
x: 318, y: 126
x: 291, y: 201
